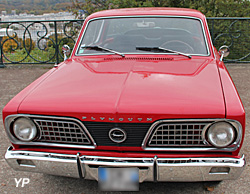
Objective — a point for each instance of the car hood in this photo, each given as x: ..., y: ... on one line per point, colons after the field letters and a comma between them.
x: 137, y: 88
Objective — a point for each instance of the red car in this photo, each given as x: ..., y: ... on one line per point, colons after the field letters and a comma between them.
x: 144, y: 96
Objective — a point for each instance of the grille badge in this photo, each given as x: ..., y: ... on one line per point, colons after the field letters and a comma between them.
x: 117, y: 135
x: 120, y: 119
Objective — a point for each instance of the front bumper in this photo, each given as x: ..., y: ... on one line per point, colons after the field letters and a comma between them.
x: 150, y: 169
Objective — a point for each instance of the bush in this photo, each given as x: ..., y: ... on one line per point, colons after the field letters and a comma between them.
x: 12, y: 43
x: 35, y: 56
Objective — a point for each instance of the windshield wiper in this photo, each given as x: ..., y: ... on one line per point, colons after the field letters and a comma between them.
x: 96, y: 47
x: 162, y: 49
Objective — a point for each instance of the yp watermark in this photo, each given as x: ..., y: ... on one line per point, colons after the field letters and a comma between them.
x: 22, y: 182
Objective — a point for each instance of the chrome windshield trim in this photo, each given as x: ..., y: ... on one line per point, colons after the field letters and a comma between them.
x: 78, y: 36
x: 138, y: 16
x: 232, y: 147
x: 9, y: 119
x: 149, y: 53
x: 210, y: 39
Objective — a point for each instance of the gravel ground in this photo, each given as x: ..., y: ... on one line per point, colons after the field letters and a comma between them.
x: 13, y: 80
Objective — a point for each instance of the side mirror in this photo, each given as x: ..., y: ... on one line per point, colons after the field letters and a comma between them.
x: 223, y: 51
x: 66, y: 51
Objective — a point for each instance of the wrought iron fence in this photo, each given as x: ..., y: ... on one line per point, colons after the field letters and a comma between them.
x: 39, y: 42
x: 233, y: 32
x: 36, y: 42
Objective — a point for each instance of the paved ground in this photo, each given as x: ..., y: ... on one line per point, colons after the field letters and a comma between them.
x: 12, y: 80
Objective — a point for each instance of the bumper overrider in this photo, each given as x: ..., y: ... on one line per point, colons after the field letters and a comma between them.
x: 150, y: 169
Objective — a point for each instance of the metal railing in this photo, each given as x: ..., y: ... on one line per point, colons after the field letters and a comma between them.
x: 40, y: 42
x: 233, y: 32
x: 36, y: 42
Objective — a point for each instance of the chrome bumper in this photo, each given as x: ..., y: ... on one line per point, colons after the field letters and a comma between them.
x: 150, y: 169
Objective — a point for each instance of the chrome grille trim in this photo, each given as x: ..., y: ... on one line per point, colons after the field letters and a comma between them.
x: 61, y: 132
x: 11, y: 118
x: 180, y: 134
x: 205, y: 146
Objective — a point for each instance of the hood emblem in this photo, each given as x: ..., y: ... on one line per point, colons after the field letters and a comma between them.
x: 117, y: 135
x: 120, y: 119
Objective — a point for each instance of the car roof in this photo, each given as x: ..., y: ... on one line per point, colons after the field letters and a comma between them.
x: 148, y: 11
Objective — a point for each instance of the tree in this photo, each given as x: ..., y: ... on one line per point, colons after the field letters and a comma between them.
x: 233, y: 33
x: 221, y: 8
x: 29, y: 44
x: 211, y: 8
x: 12, y: 43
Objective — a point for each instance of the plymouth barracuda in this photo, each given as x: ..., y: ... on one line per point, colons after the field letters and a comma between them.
x: 144, y: 96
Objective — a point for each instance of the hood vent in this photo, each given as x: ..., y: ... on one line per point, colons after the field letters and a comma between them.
x: 141, y: 58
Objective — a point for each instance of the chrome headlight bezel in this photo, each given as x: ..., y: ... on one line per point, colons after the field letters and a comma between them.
x: 207, y: 146
x: 22, y: 124
x: 234, y: 144
x: 10, y: 119
x: 9, y: 123
x: 221, y: 134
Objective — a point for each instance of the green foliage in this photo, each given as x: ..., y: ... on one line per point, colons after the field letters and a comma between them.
x: 233, y: 33
x: 36, y: 53
x: 239, y: 31
x: 14, y: 50
x: 62, y: 40
x: 34, y: 6
x: 222, y: 8
x: 4, y: 25
x: 225, y: 32
x: 211, y: 8
x: 11, y: 44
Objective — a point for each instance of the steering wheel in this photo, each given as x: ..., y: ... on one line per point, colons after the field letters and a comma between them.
x: 107, y: 41
x: 172, y: 44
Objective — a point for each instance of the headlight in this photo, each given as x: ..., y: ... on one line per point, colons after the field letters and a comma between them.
x: 221, y: 134
x: 24, y: 129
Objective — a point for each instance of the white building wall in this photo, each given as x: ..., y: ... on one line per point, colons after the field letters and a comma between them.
x: 46, y: 16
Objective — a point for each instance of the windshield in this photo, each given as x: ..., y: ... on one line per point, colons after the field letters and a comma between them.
x: 125, y: 35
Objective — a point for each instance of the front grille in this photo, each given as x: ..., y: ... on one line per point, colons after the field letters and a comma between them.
x: 135, y: 133
x: 61, y: 131
x: 177, y: 134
